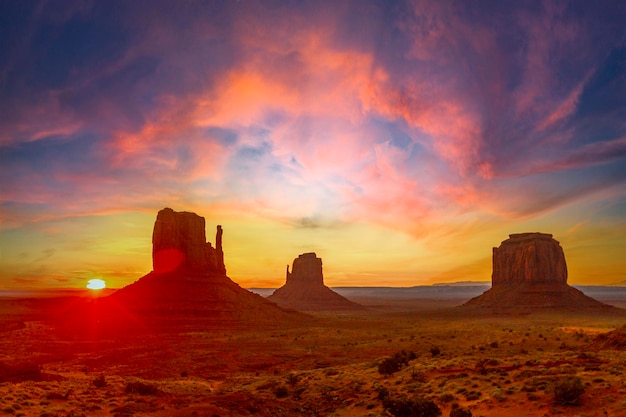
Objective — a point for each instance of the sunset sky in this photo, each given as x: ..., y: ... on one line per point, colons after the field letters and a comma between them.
x: 399, y: 140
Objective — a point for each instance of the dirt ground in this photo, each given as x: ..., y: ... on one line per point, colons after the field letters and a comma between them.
x: 503, y: 365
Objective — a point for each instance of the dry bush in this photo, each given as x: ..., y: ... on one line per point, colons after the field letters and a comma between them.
x: 472, y: 395
x: 446, y: 398
x: 281, y: 391
x: 459, y: 411
x: 414, y: 407
x: 293, y: 378
x: 481, y: 366
x: 398, y: 361
x: 418, y: 376
x: 99, y: 382
x: 141, y: 388
x: 568, y: 390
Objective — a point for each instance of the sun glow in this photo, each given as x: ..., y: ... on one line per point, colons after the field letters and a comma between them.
x: 96, y: 284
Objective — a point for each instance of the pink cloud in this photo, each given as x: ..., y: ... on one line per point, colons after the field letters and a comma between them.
x: 39, y: 121
x: 588, y: 155
x: 450, y: 129
x: 304, y: 101
x: 565, y: 108
x: 387, y: 195
x: 551, y: 37
x: 323, y: 98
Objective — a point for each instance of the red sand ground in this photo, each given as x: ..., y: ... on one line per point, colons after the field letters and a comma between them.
x: 325, y: 366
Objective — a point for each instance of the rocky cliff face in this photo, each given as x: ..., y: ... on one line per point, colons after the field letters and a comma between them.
x: 179, y: 242
x: 304, y: 288
x: 530, y: 273
x: 189, y: 280
x: 529, y: 258
x: 307, y: 269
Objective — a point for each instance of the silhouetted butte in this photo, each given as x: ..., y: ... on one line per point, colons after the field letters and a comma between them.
x: 304, y: 288
x: 188, y: 283
x: 530, y: 273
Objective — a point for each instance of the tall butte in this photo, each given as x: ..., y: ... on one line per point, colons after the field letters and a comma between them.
x: 304, y: 288
x: 189, y: 278
x: 530, y: 272
x: 179, y: 243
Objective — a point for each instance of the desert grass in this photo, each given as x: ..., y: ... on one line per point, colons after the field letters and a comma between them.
x: 492, y: 366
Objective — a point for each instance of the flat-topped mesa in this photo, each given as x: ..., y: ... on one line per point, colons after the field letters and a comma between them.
x: 529, y: 258
x: 530, y: 274
x: 179, y: 243
x: 307, y: 268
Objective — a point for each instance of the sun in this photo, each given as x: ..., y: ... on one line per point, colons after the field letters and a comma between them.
x: 96, y: 284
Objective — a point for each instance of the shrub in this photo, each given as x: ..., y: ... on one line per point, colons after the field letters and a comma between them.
x: 418, y: 376
x: 498, y: 395
x: 388, y: 366
x: 140, y: 388
x: 459, y: 411
x: 446, y: 398
x: 56, y: 395
x: 416, y: 407
x: 472, y: 395
x: 297, y: 393
x: 435, y: 350
x: 568, y: 390
x: 383, y: 393
x: 99, y: 382
x: 292, y: 379
x: 481, y: 366
x: 398, y: 361
x: 281, y: 391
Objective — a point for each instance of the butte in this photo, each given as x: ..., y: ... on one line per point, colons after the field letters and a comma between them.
x: 304, y: 289
x: 188, y: 284
x: 530, y: 274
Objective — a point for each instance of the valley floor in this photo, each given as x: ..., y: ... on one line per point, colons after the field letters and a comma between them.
x: 491, y: 365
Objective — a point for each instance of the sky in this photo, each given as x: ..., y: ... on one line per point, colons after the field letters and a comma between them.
x: 399, y: 140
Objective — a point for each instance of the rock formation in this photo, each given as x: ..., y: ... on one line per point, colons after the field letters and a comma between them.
x: 529, y: 258
x: 179, y: 242
x: 304, y: 288
x: 530, y: 272
x: 307, y: 270
x: 189, y: 279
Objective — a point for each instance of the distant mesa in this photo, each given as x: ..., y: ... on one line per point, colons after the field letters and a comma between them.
x: 529, y: 258
x: 530, y: 272
x: 304, y: 288
x: 189, y: 278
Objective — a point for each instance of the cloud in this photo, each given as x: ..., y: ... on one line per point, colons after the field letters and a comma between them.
x: 422, y: 111
x: 314, y: 223
x: 590, y: 154
x: 45, y: 254
x: 441, y: 123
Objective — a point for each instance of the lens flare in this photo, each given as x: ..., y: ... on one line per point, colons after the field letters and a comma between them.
x: 96, y: 284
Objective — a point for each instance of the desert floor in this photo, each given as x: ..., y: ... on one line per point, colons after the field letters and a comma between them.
x: 502, y: 365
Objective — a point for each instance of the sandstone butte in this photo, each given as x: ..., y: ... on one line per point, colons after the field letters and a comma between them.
x: 530, y: 273
x: 189, y: 279
x: 304, y: 288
